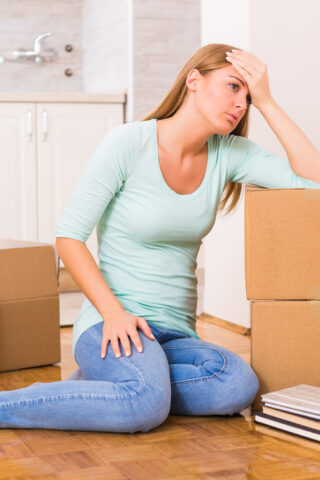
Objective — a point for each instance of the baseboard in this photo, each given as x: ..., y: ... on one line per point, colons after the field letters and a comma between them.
x: 224, y: 323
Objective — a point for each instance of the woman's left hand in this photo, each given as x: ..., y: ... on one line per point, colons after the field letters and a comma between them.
x: 254, y: 71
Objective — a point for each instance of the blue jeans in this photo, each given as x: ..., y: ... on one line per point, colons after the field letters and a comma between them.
x: 175, y: 374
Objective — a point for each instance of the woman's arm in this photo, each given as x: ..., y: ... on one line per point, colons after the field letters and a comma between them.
x: 246, y: 162
x: 103, y: 176
x: 302, y: 155
x: 82, y: 267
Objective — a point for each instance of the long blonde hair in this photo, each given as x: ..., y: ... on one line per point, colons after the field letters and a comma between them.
x: 206, y: 59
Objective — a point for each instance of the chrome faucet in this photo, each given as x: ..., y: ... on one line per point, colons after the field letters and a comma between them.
x: 38, y: 54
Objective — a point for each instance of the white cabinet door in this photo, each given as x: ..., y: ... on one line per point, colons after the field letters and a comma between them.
x: 18, y: 189
x: 67, y: 136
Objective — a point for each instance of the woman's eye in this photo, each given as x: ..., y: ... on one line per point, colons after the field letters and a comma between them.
x: 249, y: 100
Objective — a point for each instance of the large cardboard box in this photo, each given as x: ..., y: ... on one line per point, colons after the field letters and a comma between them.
x: 282, y: 270
x: 282, y: 243
x: 29, y: 305
x: 285, y: 344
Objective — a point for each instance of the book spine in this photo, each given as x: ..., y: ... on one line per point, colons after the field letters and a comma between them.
x: 288, y: 426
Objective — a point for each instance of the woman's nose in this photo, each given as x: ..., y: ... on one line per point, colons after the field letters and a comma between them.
x: 241, y: 102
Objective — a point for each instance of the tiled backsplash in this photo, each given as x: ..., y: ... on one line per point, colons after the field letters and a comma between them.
x: 138, y: 46
x: 22, y: 22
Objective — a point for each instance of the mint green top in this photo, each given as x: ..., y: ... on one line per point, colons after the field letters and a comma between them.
x: 148, y: 235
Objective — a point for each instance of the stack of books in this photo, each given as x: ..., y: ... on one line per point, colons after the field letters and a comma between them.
x: 294, y: 410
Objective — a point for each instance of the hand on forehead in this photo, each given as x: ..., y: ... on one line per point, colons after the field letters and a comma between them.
x: 231, y: 70
x: 254, y: 73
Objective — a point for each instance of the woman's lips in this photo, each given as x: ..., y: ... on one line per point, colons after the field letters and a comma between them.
x: 232, y: 117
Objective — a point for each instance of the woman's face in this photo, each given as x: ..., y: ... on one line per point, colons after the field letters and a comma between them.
x: 220, y: 93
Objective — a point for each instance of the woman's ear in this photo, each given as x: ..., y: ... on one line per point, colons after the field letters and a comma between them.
x: 192, y: 79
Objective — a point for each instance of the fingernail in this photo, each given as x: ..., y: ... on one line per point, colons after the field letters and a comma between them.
x: 139, y: 349
x: 127, y: 353
x: 118, y: 355
x: 152, y: 336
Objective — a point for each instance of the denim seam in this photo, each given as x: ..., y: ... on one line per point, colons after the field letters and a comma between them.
x: 162, y: 333
x: 143, y: 383
x: 66, y: 396
x: 206, y: 377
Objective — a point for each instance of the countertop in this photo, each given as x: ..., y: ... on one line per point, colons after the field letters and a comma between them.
x: 76, y: 97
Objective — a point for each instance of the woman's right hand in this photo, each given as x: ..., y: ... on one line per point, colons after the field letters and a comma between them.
x: 120, y: 326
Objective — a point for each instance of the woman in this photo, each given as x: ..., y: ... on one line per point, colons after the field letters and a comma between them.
x: 153, y: 188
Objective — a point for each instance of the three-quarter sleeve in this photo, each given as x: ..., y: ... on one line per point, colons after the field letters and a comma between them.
x: 102, y: 177
x: 247, y: 162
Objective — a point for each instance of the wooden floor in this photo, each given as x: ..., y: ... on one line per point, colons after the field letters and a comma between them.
x: 181, y: 448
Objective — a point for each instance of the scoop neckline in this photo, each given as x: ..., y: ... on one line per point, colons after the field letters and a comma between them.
x: 186, y: 196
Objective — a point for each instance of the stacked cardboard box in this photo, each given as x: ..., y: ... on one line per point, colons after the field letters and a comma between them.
x: 282, y: 268
x: 29, y: 305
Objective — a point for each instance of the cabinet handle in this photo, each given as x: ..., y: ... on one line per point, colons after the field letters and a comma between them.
x: 44, y: 124
x: 29, y: 125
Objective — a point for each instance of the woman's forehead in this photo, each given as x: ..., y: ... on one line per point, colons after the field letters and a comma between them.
x: 230, y: 72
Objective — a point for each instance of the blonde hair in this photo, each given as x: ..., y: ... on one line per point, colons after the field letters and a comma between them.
x: 207, y: 58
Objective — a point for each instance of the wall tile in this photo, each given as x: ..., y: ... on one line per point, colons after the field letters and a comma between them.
x: 21, y: 23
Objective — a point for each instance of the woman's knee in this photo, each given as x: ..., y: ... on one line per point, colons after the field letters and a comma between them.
x: 155, y: 410
x: 144, y: 411
x: 141, y: 380
x: 234, y: 387
x: 149, y: 407
x: 244, y: 385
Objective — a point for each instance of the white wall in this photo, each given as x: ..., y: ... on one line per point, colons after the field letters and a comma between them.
x: 224, y: 287
x: 285, y: 35
x: 225, y: 22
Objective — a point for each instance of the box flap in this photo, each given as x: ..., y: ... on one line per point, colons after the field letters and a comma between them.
x: 249, y: 186
x: 309, y: 193
x: 12, y: 243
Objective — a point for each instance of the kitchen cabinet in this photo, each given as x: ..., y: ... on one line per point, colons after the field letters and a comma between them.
x: 46, y: 143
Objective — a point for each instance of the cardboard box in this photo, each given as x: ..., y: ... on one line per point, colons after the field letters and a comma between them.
x: 282, y: 269
x: 282, y: 247
x: 29, y: 305
x: 285, y: 344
